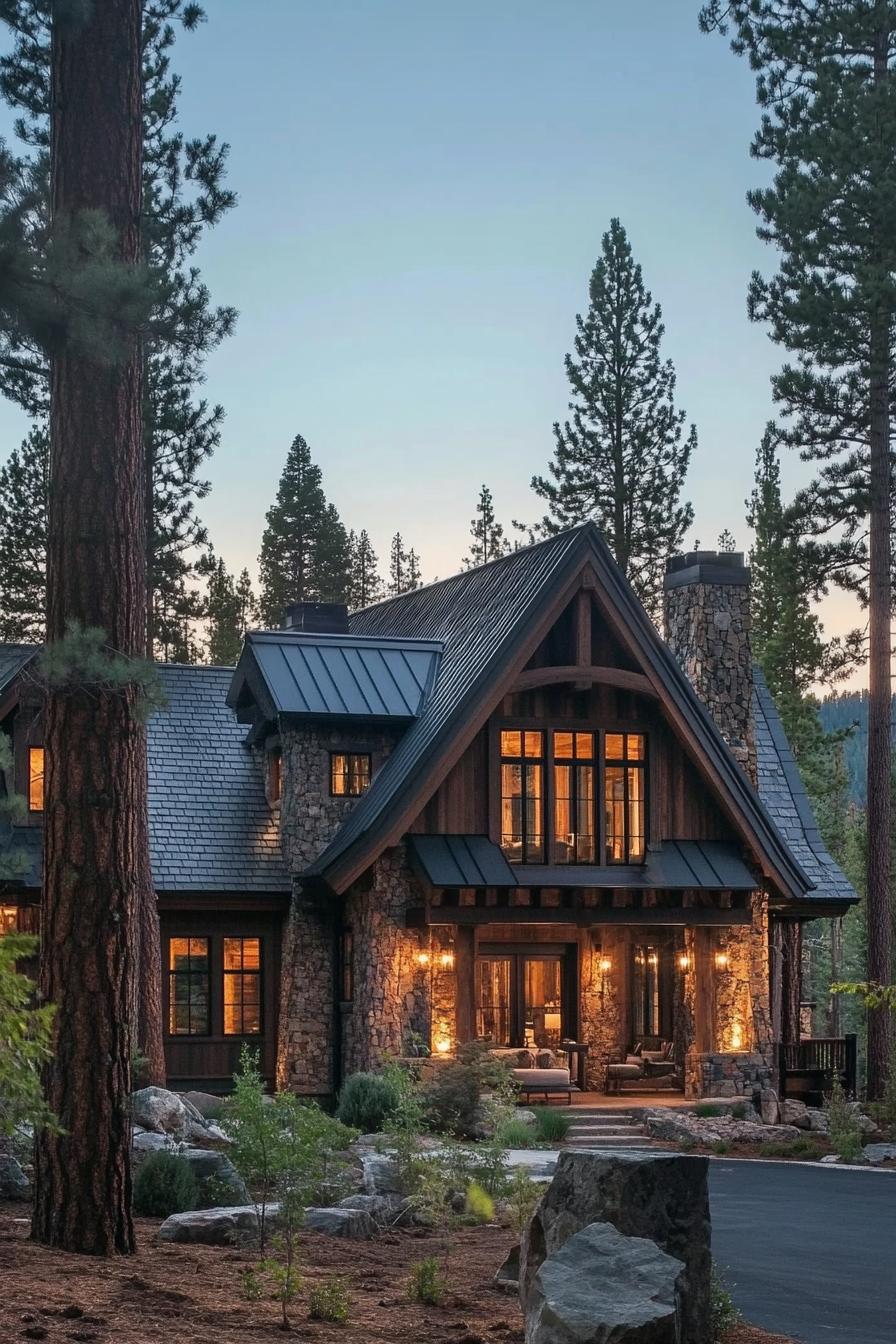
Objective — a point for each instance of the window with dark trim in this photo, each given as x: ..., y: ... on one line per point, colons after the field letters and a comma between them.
x: 275, y: 776
x: 575, y: 813
x: 522, y: 796
x: 646, y: 991
x: 625, y: 797
x: 242, y: 986
x: 189, y: 987
x: 349, y: 773
x: 35, y: 779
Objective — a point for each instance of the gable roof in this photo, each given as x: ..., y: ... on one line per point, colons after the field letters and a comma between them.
x: 211, y: 828
x: 490, y: 620
x: 783, y: 792
x: 334, y: 675
x: 13, y: 657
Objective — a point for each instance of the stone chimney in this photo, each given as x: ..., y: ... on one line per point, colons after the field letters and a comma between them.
x: 319, y: 618
x: 707, y: 626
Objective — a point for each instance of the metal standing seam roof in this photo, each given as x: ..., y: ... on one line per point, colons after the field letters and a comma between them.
x: 339, y: 675
x: 676, y: 865
x: 482, y: 616
x: 13, y: 657
x: 783, y: 792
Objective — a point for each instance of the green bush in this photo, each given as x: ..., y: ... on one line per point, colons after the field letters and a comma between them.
x: 739, y: 1110
x: 515, y: 1133
x: 164, y: 1184
x: 551, y: 1124
x: 724, y: 1315
x: 426, y: 1283
x: 721, y: 1147
x: 706, y: 1109
x: 452, y: 1099
x: 368, y: 1101
x: 844, y: 1130
x: 328, y: 1301
x: 807, y: 1150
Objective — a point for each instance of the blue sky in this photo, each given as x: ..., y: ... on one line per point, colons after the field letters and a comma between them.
x: 423, y: 187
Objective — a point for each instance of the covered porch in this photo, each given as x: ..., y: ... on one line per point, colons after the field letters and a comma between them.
x: 655, y: 991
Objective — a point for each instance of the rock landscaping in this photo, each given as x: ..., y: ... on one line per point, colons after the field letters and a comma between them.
x: 683, y: 1126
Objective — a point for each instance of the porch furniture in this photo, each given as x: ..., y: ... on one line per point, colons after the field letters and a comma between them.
x: 578, y: 1051
x: 642, y: 1065
x: 532, y: 1080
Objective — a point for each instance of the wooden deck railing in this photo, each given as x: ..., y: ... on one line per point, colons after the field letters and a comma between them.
x: 816, y: 1062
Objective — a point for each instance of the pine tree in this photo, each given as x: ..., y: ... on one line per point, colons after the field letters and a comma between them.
x: 622, y: 458
x: 183, y: 194
x: 404, y: 568
x: 726, y: 543
x: 414, y: 574
x: 304, y: 548
x: 826, y: 83
x: 23, y: 539
x: 365, y: 584
x: 489, y: 541
x: 224, y: 610
x: 246, y: 602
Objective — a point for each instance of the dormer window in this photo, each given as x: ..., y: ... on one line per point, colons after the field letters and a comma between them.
x: 35, y: 779
x: 349, y: 773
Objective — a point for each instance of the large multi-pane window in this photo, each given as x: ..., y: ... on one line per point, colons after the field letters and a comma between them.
x: 625, y: 836
x: 522, y: 796
x: 349, y: 773
x: 35, y: 779
x: 646, y: 991
x: 574, y: 797
x: 189, y: 984
x: 242, y: 986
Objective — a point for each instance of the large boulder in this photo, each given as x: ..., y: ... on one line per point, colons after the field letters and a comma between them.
x: 356, y: 1224
x: 206, y: 1103
x: 158, y: 1109
x: 145, y: 1141
x: 795, y: 1112
x: 601, y: 1287
x: 385, y: 1210
x: 14, y: 1184
x: 213, y: 1227
x: 216, y: 1174
x: 661, y: 1196
x: 381, y: 1175
x: 875, y: 1153
x: 684, y: 1127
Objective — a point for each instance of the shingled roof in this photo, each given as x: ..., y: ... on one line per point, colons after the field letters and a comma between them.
x: 484, y: 618
x: 783, y: 792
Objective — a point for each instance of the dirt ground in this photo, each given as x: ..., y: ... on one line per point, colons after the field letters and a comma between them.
x: 178, y: 1294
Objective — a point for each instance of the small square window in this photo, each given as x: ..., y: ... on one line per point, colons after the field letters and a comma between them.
x: 349, y: 773
x: 35, y: 779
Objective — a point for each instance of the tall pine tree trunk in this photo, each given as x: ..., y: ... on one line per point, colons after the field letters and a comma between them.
x: 95, y: 831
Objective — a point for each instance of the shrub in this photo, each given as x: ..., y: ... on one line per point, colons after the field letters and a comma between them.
x: 721, y: 1146
x: 739, y: 1110
x: 164, y: 1184
x: 551, y: 1125
x: 368, y: 1101
x: 426, y: 1283
x: 706, y: 1109
x: 26, y: 1033
x: 806, y: 1150
x: 453, y: 1098
x: 843, y: 1125
x: 522, y: 1195
x: 328, y: 1301
x: 724, y: 1315
x: 515, y: 1133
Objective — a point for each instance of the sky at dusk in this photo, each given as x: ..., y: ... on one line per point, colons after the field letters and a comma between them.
x: 423, y: 187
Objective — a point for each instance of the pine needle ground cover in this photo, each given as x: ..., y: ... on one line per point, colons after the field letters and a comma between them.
x: 194, y: 1294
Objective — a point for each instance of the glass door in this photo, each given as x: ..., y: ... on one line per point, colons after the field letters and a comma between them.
x: 543, y: 1000
x: 493, y: 999
x: 521, y: 997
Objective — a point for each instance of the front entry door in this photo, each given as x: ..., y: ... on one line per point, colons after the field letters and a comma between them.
x: 522, y: 996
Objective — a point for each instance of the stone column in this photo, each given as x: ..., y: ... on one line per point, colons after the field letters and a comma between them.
x: 307, y: 996
x: 603, y: 994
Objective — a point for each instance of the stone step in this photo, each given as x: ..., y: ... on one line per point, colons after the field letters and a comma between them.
x: 587, y: 1131
x: 620, y: 1141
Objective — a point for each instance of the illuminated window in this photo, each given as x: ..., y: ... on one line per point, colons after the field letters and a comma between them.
x: 522, y: 796
x: 242, y: 986
x: 188, y: 987
x: 625, y: 797
x: 646, y: 1014
x: 349, y: 773
x: 9, y: 919
x: 35, y: 779
x: 275, y: 776
x: 574, y: 798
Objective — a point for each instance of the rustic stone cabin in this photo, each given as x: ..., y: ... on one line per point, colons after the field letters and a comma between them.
x: 499, y: 807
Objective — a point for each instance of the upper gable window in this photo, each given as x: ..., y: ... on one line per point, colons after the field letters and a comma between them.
x: 575, y: 814
x: 35, y: 779
x: 522, y: 796
x: 349, y: 773
x: 625, y: 797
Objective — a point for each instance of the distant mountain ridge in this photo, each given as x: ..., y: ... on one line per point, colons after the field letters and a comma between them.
x: 837, y: 712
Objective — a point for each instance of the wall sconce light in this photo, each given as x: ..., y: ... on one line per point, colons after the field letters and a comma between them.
x: 443, y: 1046
x: 652, y: 959
x: 422, y: 958
x: 446, y: 958
x: 684, y: 961
x: 721, y: 961
x: 605, y: 965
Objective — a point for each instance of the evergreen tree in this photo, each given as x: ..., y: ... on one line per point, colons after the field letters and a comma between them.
x: 404, y: 568
x: 489, y: 541
x: 23, y: 539
x: 365, y: 585
x: 246, y: 603
x: 414, y: 574
x: 183, y: 194
x: 304, y: 548
x: 622, y: 458
x: 223, y: 606
x: 726, y: 543
x: 826, y: 82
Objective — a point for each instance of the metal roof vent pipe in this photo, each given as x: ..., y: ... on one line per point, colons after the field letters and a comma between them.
x: 317, y: 618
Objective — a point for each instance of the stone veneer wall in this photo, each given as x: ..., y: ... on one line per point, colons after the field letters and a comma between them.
x: 602, y: 995
x: 309, y: 819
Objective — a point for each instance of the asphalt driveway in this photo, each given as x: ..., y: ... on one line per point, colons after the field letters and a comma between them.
x: 808, y: 1251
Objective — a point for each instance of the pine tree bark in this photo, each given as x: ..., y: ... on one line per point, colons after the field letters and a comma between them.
x: 95, y: 828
